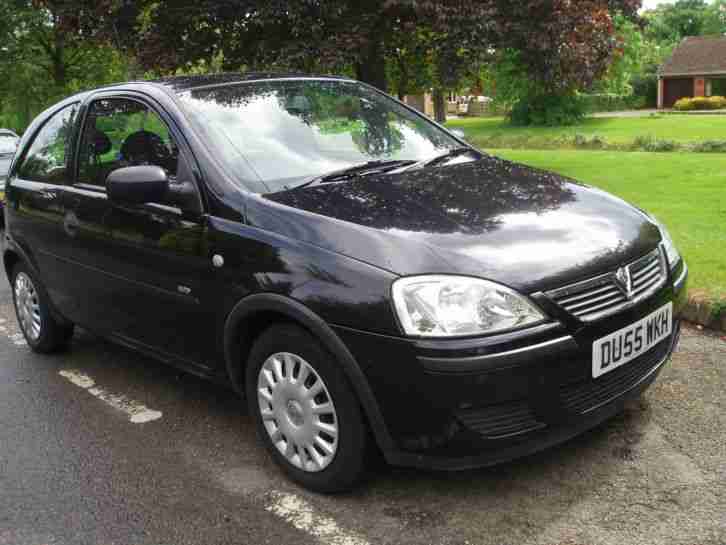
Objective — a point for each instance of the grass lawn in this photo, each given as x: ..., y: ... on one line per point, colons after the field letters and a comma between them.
x: 686, y: 191
x: 679, y: 128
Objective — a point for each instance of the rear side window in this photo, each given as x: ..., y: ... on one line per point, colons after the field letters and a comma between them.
x: 119, y: 133
x: 47, y: 158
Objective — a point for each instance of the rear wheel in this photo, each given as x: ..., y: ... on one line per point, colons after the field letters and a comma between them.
x: 41, y: 330
x: 305, y: 411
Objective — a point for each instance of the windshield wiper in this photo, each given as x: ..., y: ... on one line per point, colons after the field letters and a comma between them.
x: 370, y: 167
x: 448, y: 154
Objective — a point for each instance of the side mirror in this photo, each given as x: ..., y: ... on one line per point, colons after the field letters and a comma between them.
x: 461, y: 135
x: 137, y: 185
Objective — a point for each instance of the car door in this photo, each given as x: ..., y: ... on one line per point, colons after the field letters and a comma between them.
x: 35, y: 211
x: 147, y: 263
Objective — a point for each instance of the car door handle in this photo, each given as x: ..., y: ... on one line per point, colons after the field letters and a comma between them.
x: 71, y: 224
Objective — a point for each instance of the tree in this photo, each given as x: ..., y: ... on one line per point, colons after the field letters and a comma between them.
x: 564, y: 44
x: 715, y: 18
x: 43, y: 62
x: 673, y: 22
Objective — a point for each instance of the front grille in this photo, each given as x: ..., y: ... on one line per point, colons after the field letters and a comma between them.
x: 607, y: 294
x: 584, y: 396
x: 500, y: 421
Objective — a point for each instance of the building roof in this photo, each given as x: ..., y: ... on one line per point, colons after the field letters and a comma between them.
x: 697, y: 56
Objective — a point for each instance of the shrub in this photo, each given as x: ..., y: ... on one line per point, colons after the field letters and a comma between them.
x: 710, y: 146
x: 593, y: 142
x: 684, y: 105
x: 700, y: 103
x: 549, y: 110
x: 645, y: 86
x: 652, y: 144
x: 608, y: 102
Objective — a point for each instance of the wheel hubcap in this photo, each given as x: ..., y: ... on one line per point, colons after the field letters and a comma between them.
x: 28, y: 306
x: 297, y: 411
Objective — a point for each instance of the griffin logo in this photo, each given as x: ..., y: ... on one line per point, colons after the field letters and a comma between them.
x: 624, y: 281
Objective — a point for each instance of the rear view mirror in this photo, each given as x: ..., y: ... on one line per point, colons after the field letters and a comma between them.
x: 137, y: 185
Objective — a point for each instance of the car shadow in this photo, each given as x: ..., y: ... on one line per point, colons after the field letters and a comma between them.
x: 578, y: 466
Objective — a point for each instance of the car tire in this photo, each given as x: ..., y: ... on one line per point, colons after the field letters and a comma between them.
x: 320, y: 405
x: 42, y: 331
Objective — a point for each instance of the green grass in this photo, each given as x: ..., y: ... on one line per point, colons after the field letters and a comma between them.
x: 679, y: 128
x: 685, y: 191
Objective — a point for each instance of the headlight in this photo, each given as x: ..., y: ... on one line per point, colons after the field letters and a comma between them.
x: 670, y: 247
x: 449, y: 306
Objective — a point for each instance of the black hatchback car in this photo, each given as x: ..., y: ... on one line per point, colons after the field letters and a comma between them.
x: 362, y: 276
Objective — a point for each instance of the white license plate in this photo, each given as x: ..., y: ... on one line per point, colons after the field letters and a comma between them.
x: 628, y: 343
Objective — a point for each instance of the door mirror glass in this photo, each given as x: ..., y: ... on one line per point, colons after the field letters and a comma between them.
x: 137, y: 185
x: 461, y: 135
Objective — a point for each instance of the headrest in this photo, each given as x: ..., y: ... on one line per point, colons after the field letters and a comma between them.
x: 143, y: 144
x: 100, y: 142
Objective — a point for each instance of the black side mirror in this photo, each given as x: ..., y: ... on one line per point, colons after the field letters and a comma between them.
x: 137, y: 185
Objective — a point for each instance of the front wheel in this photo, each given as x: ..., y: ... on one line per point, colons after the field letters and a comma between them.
x: 305, y: 411
x: 41, y: 330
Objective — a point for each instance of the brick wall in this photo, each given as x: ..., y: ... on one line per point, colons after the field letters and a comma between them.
x: 699, y: 87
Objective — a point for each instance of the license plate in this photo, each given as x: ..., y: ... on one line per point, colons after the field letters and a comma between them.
x: 632, y: 341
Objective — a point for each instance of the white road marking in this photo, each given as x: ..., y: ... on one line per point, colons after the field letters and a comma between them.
x: 18, y: 339
x: 137, y: 412
x: 296, y: 511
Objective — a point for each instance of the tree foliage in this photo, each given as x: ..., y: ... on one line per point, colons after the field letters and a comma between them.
x: 564, y: 41
x: 670, y: 23
x: 563, y: 44
x: 43, y: 61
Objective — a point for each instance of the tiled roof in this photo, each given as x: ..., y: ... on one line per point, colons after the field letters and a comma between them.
x: 701, y: 55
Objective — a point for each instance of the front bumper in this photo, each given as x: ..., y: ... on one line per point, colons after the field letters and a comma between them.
x: 458, y: 404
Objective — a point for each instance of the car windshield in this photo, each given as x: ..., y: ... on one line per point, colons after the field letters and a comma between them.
x: 278, y: 134
x: 8, y: 144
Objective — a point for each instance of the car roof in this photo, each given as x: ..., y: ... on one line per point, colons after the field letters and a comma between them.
x: 181, y: 84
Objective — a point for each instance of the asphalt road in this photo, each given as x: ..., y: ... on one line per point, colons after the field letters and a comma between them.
x: 103, y: 446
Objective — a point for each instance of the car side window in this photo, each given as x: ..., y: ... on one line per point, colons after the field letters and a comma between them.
x: 47, y: 158
x: 121, y: 133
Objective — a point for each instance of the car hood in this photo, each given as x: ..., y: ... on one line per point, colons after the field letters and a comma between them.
x: 523, y: 227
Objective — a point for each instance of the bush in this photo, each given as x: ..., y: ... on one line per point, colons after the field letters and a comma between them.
x: 700, y: 103
x: 549, y: 110
x: 593, y: 142
x: 645, y: 86
x: 710, y: 146
x: 652, y: 144
x: 608, y: 102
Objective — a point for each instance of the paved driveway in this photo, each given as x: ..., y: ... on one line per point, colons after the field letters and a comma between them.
x: 626, y: 113
x: 102, y: 446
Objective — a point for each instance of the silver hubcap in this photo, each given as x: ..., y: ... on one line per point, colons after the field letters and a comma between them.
x: 297, y: 411
x: 28, y: 306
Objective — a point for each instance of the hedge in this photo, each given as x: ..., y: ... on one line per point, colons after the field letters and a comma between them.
x: 700, y: 103
x: 607, y: 102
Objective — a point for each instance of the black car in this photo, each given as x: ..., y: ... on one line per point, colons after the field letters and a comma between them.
x: 8, y: 145
x: 362, y: 276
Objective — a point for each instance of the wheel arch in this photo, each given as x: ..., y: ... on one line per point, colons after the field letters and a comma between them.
x: 15, y: 253
x: 255, y: 313
x: 10, y: 259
